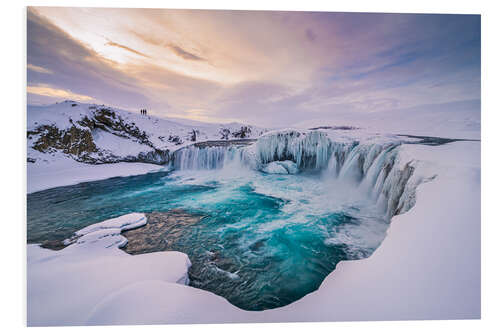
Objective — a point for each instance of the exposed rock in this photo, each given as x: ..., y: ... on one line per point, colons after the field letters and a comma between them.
x: 224, y: 132
x: 175, y: 139
x: 74, y: 141
x: 77, y: 141
x: 151, y: 237
x: 244, y: 132
x: 193, y: 134
x: 221, y: 143
x: 53, y: 245
x: 344, y: 128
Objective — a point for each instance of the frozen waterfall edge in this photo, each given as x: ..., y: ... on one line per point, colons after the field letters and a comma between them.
x: 376, y: 167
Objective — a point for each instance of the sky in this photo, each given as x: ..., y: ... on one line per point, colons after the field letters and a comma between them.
x: 266, y: 68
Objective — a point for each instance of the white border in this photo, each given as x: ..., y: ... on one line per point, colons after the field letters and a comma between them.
x: 13, y: 81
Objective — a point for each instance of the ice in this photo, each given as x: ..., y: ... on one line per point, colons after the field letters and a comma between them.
x: 281, y: 167
x: 310, y: 149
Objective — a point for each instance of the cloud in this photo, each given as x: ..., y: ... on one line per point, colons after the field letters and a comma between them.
x: 75, y: 67
x: 267, y: 68
x: 57, y: 93
x: 111, y: 43
x: 39, y: 69
x: 184, y: 54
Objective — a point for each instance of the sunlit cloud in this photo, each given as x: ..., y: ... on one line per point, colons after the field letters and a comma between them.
x: 183, y: 53
x: 39, y: 69
x: 202, y: 115
x: 57, y: 93
x: 111, y: 43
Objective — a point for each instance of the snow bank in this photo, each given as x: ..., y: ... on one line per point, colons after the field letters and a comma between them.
x: 428, y: 267
x: 63, y: 171
x: 64, y: 287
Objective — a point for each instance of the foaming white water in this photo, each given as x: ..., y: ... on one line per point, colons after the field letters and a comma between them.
x: 360, y: 171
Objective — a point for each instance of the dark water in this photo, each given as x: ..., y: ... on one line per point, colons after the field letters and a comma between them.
x: 264, y: 240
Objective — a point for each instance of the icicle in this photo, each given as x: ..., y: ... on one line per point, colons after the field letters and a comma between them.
x: 309, y: 151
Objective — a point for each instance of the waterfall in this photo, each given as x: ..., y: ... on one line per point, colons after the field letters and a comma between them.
x: 310, y: 150
x: 206, y: 158
x: 375, y: 168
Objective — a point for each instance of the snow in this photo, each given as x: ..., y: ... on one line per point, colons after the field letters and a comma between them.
x: 118, y: 145
x: 62, y: 171
x: 58, y: 114
x: 459, y: 120
x: 65, y: 286
x: 428, y: 267
x: 122, y: 223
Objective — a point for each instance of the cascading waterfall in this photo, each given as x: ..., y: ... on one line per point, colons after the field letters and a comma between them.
x: 376, y: 168
x: 206, y: 158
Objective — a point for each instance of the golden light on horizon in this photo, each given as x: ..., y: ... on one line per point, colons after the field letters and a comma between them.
x: 60, y: 93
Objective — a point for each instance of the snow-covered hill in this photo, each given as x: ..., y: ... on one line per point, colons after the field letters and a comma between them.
x: 98, y: 134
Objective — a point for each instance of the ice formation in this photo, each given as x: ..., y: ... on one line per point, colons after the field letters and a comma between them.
x: 374, y: 166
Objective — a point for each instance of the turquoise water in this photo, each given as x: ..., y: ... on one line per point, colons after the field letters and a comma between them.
x: 265, y: 240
